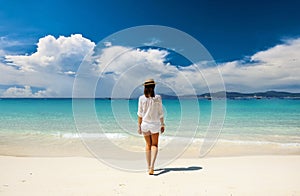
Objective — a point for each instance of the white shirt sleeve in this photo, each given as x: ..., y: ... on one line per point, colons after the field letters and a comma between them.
x: 140, y: 112
x: 160, y: 108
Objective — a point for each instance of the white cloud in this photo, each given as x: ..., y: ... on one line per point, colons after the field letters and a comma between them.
x: 277, y: 68
x: 123, y: 69
x: 7, y: 42
x: 107, y: 44
x: 10, y: 45
x: 52, y: 66
x: 24, y: 92
x: 152, y: 42
x: 120, y: 70
x: 70, y: 72
x: 54, y: 54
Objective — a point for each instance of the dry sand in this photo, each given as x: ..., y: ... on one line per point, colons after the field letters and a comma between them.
x: 247, y: 175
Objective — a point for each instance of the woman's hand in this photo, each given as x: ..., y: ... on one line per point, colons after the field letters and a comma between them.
x: 162, y: 129
x: 139, y: 129
x: 162, y: 125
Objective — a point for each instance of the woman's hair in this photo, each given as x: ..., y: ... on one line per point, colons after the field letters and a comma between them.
x: 149, y: 90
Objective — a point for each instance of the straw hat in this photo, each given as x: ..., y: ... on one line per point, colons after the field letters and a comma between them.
x: 149, y: 82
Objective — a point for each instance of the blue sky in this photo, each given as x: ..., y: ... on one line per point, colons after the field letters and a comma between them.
x: 232, y: 31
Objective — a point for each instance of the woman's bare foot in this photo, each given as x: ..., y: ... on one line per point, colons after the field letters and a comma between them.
x: 151, y: 171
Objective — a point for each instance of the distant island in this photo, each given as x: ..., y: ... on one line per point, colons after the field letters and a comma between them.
x: 238, y: 95
x: 208, y: 96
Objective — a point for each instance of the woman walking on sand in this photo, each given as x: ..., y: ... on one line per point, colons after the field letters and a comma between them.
x: 150, y: 121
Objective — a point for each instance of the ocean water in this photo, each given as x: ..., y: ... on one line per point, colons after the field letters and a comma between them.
x: 246, y: 121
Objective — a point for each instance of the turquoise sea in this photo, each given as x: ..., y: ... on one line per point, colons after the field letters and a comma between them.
x: 255, y: 121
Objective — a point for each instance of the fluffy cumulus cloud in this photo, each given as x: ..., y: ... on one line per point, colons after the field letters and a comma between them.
x: 119, y: 70
x: 274, y: 69
x: 123, y: 69
x: 52, y: 67
x: 23, y: 92
x: 56, y: 55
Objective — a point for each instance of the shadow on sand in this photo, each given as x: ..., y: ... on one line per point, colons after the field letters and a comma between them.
x: 176, y: 169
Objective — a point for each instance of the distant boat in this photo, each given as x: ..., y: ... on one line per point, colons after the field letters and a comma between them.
x: 207, y: 97
x: 257, y: 97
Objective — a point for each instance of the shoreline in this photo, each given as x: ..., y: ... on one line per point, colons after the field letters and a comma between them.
x: 42, y: 165
x: 72, y: 147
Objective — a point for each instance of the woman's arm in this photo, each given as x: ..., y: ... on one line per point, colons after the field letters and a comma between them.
x: 139, y: 125
x: 140, y: 114
x: 162, y: 125
x: 161, y: 116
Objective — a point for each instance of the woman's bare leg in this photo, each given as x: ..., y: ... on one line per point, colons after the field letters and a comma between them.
x: 148, y: 140
x: 154, y: 149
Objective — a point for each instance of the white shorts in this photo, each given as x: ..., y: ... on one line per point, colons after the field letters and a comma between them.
x: 153, y: 127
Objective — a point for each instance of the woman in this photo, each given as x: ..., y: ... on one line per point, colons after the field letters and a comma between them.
x: 150, y: 121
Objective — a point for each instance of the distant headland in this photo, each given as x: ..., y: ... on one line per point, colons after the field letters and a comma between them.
x: 238, y: 95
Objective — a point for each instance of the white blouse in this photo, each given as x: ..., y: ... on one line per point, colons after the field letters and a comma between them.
x: 150, y: 110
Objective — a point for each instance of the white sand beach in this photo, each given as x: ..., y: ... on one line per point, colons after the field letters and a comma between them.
x: 248, y: 175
